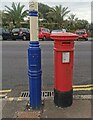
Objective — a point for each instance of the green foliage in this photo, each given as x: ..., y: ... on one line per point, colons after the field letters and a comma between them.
x: 57, y: 15
x: 43, y: 10
x: 0, y: 18
x: 81, y: 24
x: 74, y: 23
x: 53, y: 17
x: 16, y: 13
x: 91, y: 30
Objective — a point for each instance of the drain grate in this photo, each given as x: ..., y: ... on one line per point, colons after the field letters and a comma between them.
x: 50, y: 94
x: 25, y: 94
x: 45, y: 94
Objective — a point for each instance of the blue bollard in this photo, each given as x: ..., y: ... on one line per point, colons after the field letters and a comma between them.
x: 34, y: 73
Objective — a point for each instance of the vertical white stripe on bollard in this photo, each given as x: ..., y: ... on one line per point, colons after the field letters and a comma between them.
x: 33, y: 7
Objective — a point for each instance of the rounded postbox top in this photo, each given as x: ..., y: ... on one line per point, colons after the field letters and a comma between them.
x: 64, y: 36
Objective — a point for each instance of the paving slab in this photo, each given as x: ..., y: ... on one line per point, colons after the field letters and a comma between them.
x: 11, y: 108
x: 79, y: 109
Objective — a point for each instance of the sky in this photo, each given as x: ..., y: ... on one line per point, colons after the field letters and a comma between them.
x: 82, y: 10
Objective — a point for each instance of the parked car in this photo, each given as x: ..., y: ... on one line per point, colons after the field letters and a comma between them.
x: 20, y: 33
x: 44, y: 34
x: 4, y: 34
x: 58, y: 30
x: 82, y: 34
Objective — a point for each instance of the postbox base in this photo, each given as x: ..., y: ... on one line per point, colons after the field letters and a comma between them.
x: 63, y: 99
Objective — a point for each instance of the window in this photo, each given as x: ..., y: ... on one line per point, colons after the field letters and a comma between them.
x: 15, y: 30
x: 80, y: 32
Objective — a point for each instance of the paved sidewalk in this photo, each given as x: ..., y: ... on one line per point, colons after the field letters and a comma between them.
x: 79, y: 109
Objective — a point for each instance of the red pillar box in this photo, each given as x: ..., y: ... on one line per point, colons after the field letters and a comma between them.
x: 63, y: 64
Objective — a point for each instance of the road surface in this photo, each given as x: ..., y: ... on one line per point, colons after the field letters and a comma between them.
x: 14, y: 64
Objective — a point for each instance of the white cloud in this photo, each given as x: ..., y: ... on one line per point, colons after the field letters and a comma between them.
x: 81, y: 10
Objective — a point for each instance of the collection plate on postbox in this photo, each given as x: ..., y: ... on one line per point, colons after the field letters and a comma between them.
x: 65, y: 57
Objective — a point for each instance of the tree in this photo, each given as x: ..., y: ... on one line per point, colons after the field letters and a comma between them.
x: 0, y: 18
x: 72, y: 21
x: 57, y: 14
x: 72, y: 18
x: 43, y: 9
x: 4, y: 20
x: 91, y: 30
x: 16, y: 14
x: 82, y: 24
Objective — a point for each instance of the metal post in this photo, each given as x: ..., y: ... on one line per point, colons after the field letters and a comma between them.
x: 34, y: 58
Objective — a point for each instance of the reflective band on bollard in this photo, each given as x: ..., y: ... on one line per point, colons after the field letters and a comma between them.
x: 34, y: 73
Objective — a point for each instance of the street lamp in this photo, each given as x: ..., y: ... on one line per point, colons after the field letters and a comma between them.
x: 34, y: 58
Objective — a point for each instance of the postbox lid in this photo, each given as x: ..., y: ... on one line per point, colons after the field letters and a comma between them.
x: 64, y: 36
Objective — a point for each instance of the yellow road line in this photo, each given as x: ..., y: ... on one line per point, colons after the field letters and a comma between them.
x: 19, y: 99
x: 83, y: 89
x: 5, y: 91
x: 83, y: 86
x: 11, y: 98
x: 3, y: 95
